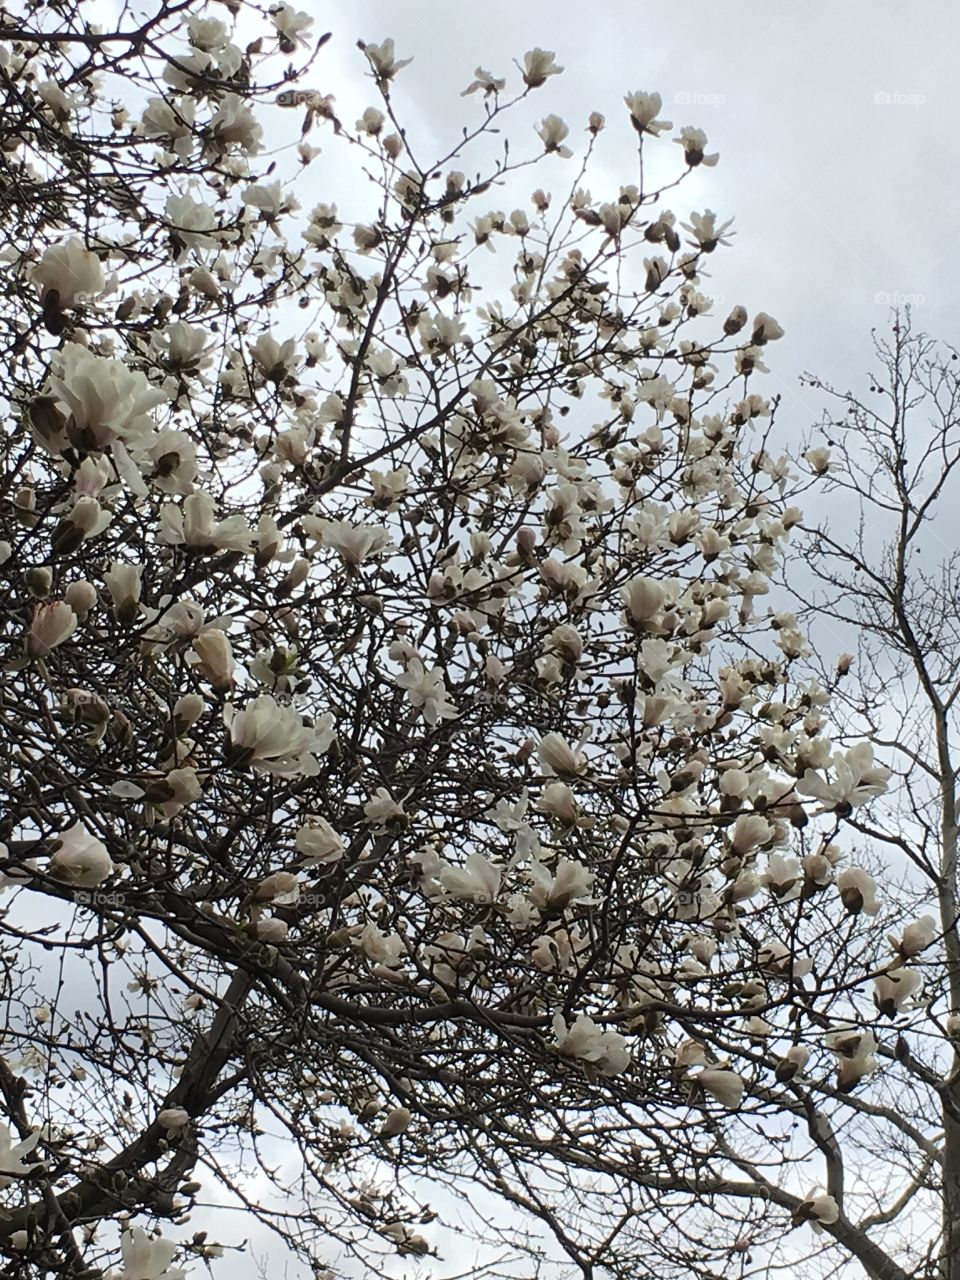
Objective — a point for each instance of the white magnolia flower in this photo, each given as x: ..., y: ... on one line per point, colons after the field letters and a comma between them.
x: 694, y: 143
x: 173, y: 1118
x: 765, y: 329
x: 792, y: 1063
x: 856, y: 780
x: 174, y: 791
x: 426, y: 690
x: 749, y: 831
x: 354, y: 543
x: 107, y: 401
x: 235, y: 125
x: 858, y: 891
x: 273, y: 738
x: 891, y: 990
x: 783, y: 877
x: 71, y: 270
x: 12, y: 1162
x: 383, y: 948
x: 280, y: 887
x: 81, y: 596
x: 855, y: 1050
x: 557, y: 799
x: 476, y: 881
x: 172, y: 119
x: 292, y: 26
x: 557, y: 756
x: 50, y: 626
x: 819, y: 460
x: 381, y: 809
x: 80, y: 859
x: 146, y: 1258
x: 703, y: 227
x: 208, y: 34
x: 605, y: 1051
x: 538, y: 64
x: 274, y: 359
x: 318, y: 842
x: 553, y: 131
x: 123, y: 581
x: 644, y: 598
x: 644, y: 109
x: 916, y: 938
x: 384, y: 61
x: 269, y: 929
x: 485, y: 81
x: 194, y: 525
x: 819, y: 1210
x: 396, y: 1122
x: 725, y: 1086
x: 570, y: 882
x: 85, y: 519
x: 215, y: 655
x: 192, y: 222
x: 777, y: 958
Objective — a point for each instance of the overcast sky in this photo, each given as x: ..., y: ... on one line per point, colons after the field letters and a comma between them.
x: 834, y: 119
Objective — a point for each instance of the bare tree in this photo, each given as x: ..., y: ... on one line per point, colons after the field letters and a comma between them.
x: 403, y: 793
x: 886, y: 568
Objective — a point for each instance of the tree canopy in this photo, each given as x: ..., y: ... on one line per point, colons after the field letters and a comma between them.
x: 415, y: 781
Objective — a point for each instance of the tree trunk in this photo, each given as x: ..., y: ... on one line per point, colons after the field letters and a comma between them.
x: 949, y: 1262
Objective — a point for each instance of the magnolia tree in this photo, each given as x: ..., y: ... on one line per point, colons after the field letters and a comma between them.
x: 408, y: 792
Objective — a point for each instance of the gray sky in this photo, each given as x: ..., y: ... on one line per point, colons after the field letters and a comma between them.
x: 834, y: 119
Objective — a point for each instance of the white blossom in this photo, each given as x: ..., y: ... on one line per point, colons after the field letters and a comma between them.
x: 538, y: 65
x: 478, y: 880
x: 644, y: 109
x: 147, y: 1258
x: 427, y: 692
x: 274, y: 738
x: 605, y: 1051
x: 80, y: 859
x: 13, y: 1162
x: 725, y: 1086
x: 51, y: 625
x: 70, y: 270
x: 317, y: 841
x: 354, y: 543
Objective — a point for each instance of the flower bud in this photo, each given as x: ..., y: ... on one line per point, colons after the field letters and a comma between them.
x: 735, y: 321
x: 173, y: 1118
x: 397, y: 1121
x: 216, y: 658
x: 52, y: 624
x: 80, y: 859
x: 39, y: 580
x: 186, y: 711
x: 123, y: 583
x: 81, y: 596
x: 279, y: 885
x: 270, y: 929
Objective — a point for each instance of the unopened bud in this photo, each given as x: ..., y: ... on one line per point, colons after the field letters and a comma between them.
x: 39, y: 580
x: 81, y: 596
